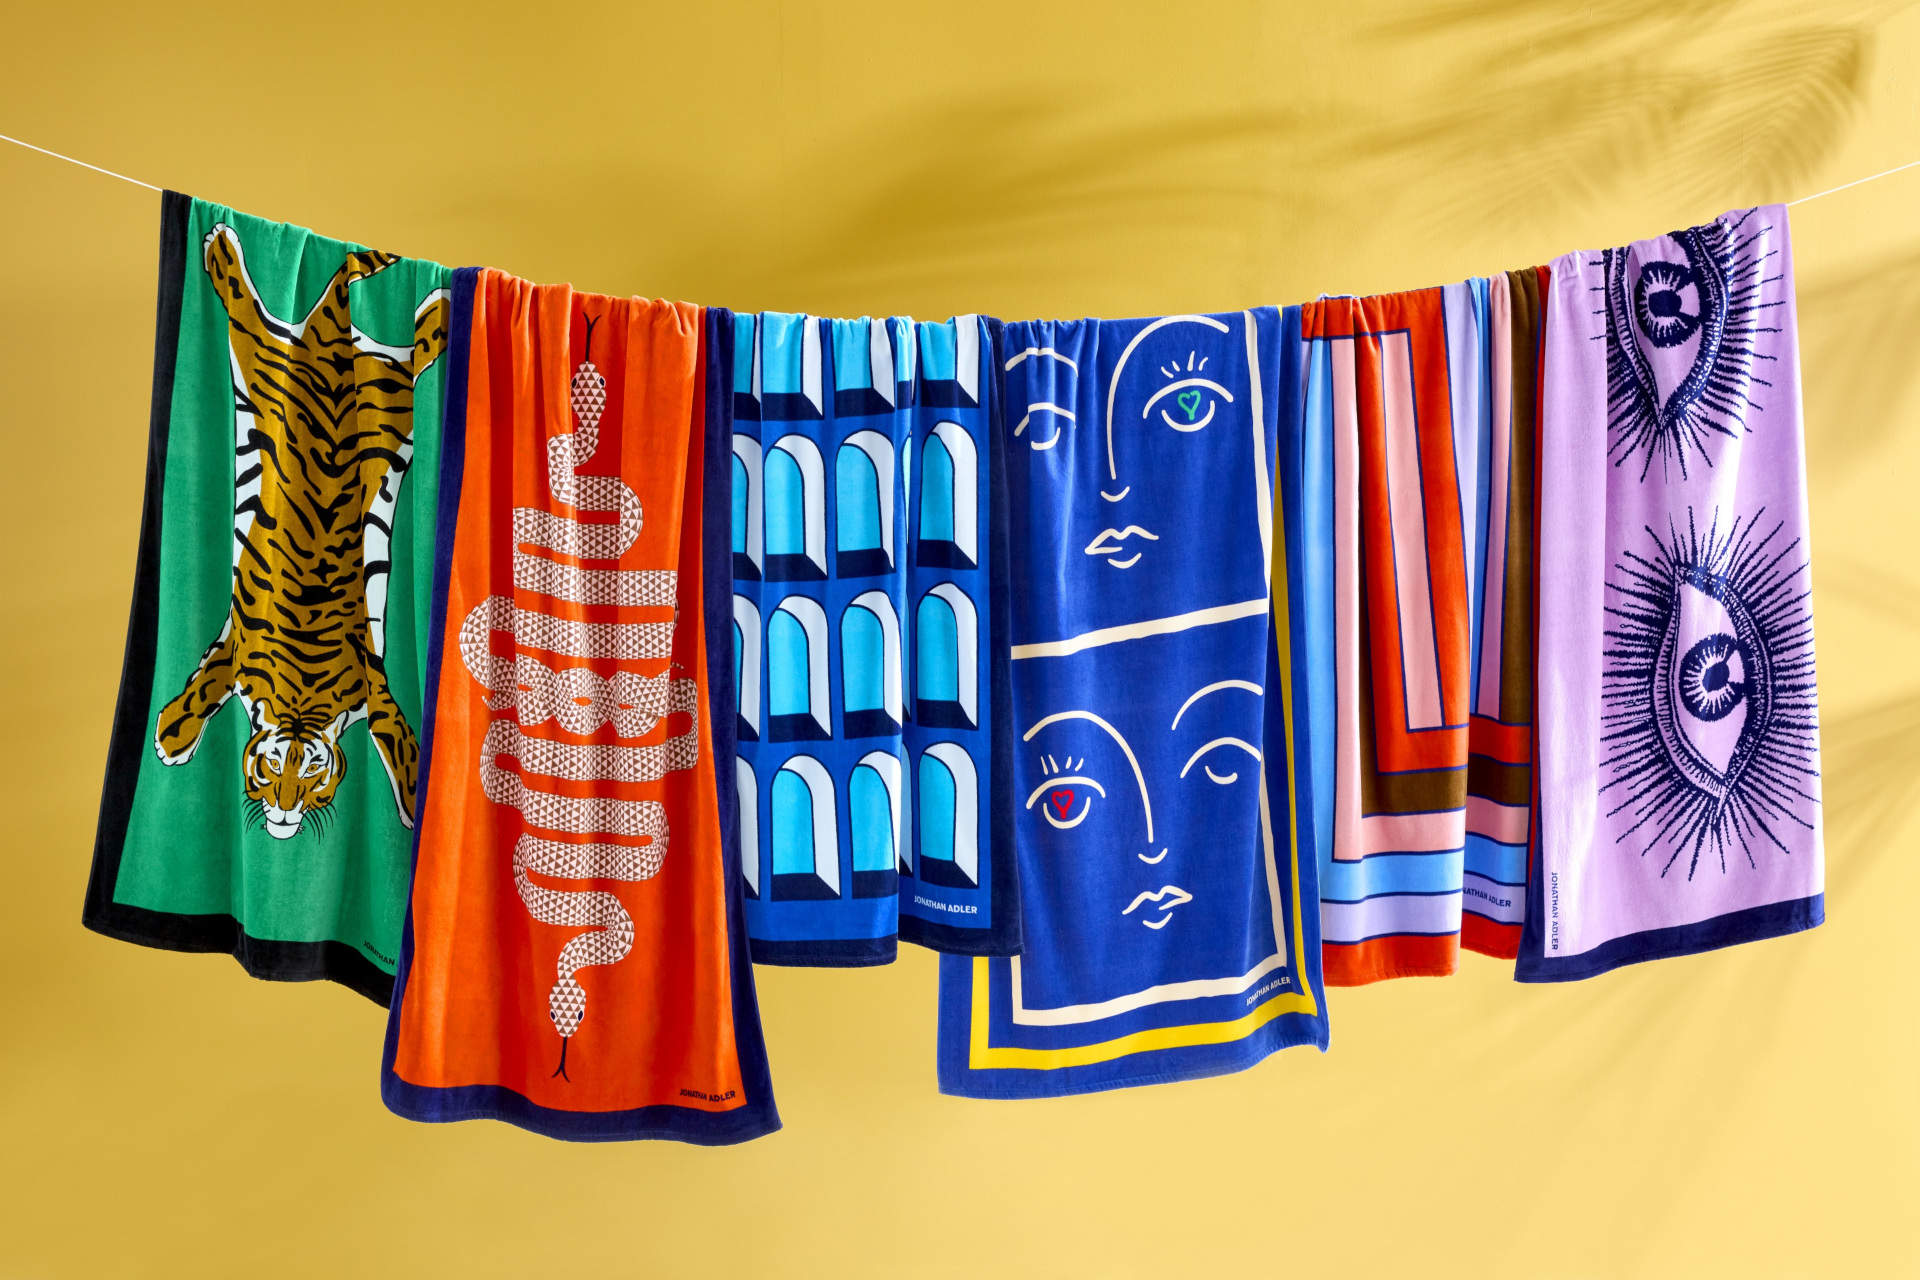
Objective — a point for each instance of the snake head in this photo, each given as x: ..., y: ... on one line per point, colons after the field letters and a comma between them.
x: 567, y: 1005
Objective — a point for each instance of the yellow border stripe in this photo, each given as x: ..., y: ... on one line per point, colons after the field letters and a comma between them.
x: 983, y: 1056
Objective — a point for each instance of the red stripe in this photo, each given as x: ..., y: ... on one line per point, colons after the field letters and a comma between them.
x: 1355, y: 964
x: 1507, y: 743
x: 1488, y: 937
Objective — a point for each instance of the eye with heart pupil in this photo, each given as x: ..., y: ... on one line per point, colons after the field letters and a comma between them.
x: 1065, y: 802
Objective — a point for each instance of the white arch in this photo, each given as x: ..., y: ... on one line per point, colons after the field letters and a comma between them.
x: 966, y: 355
x: 747, y: 449
x: 880, y: 606
x: 813, y: 482
x: 893, y: 774
x: 879, y: 451
x: 826, y: 830
x: 813, y: 618
x: 746, y: 619
x: 880, y: 352
x: 966, y: 806
x: 966, y: 487
x: 749, y: 796
x: 967, y: 642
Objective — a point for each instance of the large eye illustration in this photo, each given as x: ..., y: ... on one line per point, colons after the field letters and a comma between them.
x: 1666, y: 302
x: 1713, y: 676
x: 1065, y: 801
x: 1190, y: 401
x: 1710, y: 698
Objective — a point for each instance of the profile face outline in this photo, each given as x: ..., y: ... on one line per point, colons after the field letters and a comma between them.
x: 1182, y: 395
x: 1089, y: 766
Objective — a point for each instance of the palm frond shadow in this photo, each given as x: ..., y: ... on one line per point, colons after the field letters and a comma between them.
x: 1857, y: 337
x: 1870, y: 785
x: 1572, y: 105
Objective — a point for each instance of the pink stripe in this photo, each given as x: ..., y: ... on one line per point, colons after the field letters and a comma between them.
x: 1505, y: 823
x: 1493, y: 605
x: 1406, y: 510
x: 1414, y: 832
x: 1346, y: 601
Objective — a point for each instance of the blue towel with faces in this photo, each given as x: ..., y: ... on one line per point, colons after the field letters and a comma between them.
x: 1155, y: 791
x: 870, y: 653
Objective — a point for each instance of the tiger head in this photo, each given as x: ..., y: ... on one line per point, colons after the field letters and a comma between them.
x: 292, y: 769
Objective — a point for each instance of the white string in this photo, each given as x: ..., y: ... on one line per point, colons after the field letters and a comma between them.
x: 149, y: 186
x: 82, y: 163
x: 1856, y: 182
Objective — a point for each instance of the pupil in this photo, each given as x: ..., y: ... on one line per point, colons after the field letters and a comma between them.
x: 1665, y: 303
x: 1714, y: 678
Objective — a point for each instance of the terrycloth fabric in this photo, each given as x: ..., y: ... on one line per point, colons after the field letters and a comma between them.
x: 1165, y: 898
x: 260, y: 782
x: 1416, y: 439
x: 863, y: 532
x: 1679, y: 786
x: 575, y: 962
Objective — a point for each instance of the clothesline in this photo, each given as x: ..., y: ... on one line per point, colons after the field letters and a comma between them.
x: 1875, y: 177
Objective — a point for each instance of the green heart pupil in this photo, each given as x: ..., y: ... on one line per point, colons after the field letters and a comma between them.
x: 1190, y: 401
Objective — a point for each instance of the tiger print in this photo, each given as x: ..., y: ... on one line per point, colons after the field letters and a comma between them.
x: 323, y: 427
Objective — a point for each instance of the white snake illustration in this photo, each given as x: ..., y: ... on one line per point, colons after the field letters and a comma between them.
x: 581, y: 702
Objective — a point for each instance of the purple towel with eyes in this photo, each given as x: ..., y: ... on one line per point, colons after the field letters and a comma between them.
x: 1679, y: 805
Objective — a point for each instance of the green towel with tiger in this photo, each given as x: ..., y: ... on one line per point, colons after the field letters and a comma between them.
x: 261, y: 772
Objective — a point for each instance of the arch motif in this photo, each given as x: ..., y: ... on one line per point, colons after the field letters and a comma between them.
x: 863, y: 493
x: 746, y: 666
x: 797, y: 707
x: 749, y: 797
x: 947, y: 660
x: 796, y: 511
x: 870, y: 684
x: 949, y: 499
x: 748, y: 520
x: 949, y: 818
x: 805, y: 839
x: 875, y: 805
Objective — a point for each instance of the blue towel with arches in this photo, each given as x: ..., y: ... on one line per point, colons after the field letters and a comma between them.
x: 865, y: 637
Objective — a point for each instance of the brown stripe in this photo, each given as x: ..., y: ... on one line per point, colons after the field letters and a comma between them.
x: 1501, y: 783
x: 1516, y: 621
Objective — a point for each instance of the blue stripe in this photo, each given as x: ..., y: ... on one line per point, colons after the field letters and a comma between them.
x: 780, y: 353
x: 1391, y: 873
x: 852, y: 356
x: 937, y: 351
x: 743, y: 353
x: 1316, y: 552
x: 1504, y: 863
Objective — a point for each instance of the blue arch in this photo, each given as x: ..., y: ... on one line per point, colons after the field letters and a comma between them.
x: 788, y: 673
x: 936, y: 803
x: 786, y: 505
x: 870, y: 811
x: 863, y: 659
x: 857, y: 487
x: 739, y: 655
x: 937, y: 651
x: 792, y: 825
x: 936, y: 492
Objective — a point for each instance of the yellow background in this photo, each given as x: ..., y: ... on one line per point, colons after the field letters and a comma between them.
x: 1750, y: 1113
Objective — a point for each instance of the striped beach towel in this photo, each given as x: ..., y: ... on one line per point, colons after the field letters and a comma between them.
x: 1416, y: 441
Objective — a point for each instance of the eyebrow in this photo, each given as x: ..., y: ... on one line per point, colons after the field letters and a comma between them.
x: 1042, y: 351
x: 1248, y: 685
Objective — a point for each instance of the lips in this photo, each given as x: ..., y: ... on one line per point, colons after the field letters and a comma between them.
x: 1112, y: 543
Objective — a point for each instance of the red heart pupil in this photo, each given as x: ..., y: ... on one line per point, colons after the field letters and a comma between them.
x: 1062, y: 802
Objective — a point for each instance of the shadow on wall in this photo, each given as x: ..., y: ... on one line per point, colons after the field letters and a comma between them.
x: 1857, y: 337
x: 1050, y: 191
x: 1870, y: 778
x: 1712, y: 101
